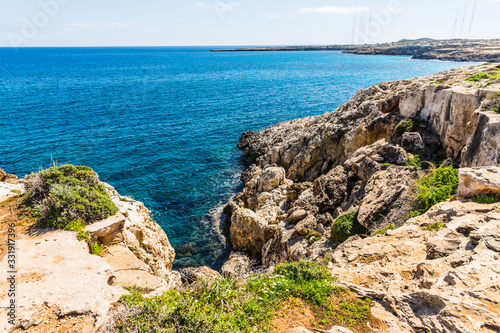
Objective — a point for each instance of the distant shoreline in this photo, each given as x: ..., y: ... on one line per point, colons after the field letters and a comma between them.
x: 427, y: 49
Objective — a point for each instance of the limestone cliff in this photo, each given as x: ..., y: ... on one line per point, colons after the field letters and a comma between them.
x: 60, y: 286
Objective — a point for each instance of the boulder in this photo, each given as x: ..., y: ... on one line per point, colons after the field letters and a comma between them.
x: 306, y: 225
x: 192, y: 274
x: 108, y: 230
x: 478, y: 181
x: 238, y: 264
x: 412, y: 142
x: 249, y: 232
x: 270, y: 178
x: 393, y: 154
x: 296, y: 215
x: 330, y: 190
x: 389, y: 198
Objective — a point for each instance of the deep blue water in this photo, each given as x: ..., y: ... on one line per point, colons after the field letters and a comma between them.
x: 162, y: 124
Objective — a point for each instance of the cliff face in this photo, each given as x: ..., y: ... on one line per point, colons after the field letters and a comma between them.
x: 309, y: 172
x: 60, y: 286
x: 453, y: 108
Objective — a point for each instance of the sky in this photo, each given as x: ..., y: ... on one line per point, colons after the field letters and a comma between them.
x: 33, y: 23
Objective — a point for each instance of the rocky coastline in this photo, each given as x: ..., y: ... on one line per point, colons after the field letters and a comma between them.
x: 306, y: 173
x: 425, y: 48
x: 436, y: 272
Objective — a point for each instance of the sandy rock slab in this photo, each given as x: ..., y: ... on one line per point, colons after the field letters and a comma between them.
x: 56, y: 271
x: 444, y: 280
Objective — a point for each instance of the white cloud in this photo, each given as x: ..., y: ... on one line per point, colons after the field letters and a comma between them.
x: 333, y: 10
x: 278, y: 15
x: 88, y: 26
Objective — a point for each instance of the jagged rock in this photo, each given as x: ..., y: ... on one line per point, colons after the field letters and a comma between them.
x: 270, y: 179
x: 145, y: 237
x: 444, y: 244
x: 330, y: 189
x: 3, y: 174
x: 238, y: 264
x: 393, y: 154
x: 130, y: 271
x: 451, y: 292
x: 389, y: 198
x: 249, y: 231
x: 192, y: 274
x: 306, y: 225
x: 478, y: 181
x: 412, y: 142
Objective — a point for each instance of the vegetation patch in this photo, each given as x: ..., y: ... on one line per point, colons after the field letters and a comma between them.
x: 390, y: 226
x: 346, y: 226
x: 483, y: 76
x: 226, y: 305
x: 486, y: 198
x: 65, y: 195
x: 440, y: 184
x: 406, y: 125
x: 435, y: 226
x: 492, y: 103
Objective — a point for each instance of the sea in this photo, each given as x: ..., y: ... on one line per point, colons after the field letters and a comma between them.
x: 161, y: 124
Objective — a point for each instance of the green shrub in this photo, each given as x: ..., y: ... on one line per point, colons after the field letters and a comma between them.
x: 439, y: 185
x: 227, y: 306
x: 435, y: 226
x: 406, y: 125
x: 390, y: 226
x: 68, y: 194
x: 478, y: 77
x: 415, y: 162
x: 486, y: 199
x: 345, y: 226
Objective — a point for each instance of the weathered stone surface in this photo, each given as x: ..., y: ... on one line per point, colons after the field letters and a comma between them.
x: 57, y: 270
x: 238, y: 264
x: 249, y: 231
x: 451, y: 290
x: 330, y: 189
x: 108, y: 230
x: 412, y: 142
x: 9, y: 190
x: 270, y: 179
x: 393, y: 154
x: 389, y: 198
x: 306, y: 225
x: 192, y: 274
x: 145, y: 237
x: 297, y: 215
x: 478, y: 181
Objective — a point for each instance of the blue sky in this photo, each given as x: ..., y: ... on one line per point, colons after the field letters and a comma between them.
x: 240, y: 22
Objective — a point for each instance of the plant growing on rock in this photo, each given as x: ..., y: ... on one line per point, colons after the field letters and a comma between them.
x: 346, y: 226
x: 487, y: 198
x: 440, y: 184
x: 224, y: 305
x: 406, y: 125
x: 67, y: 196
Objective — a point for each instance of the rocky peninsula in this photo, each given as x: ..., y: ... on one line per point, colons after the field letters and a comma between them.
x: 425, y: 48
x: 337, y: 190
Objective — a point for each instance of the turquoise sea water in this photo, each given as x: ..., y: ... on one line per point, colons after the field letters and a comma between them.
x: 162, y: 124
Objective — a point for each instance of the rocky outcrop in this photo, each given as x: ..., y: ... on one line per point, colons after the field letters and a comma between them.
x: 443, y: 281
x: 59, y: 283
x: 444, y: 102
x: 478, y: 181
x: 389, y: 198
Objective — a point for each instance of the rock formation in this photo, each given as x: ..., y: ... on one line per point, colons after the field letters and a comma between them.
x: 60, y: 284
x: 438, y: 272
